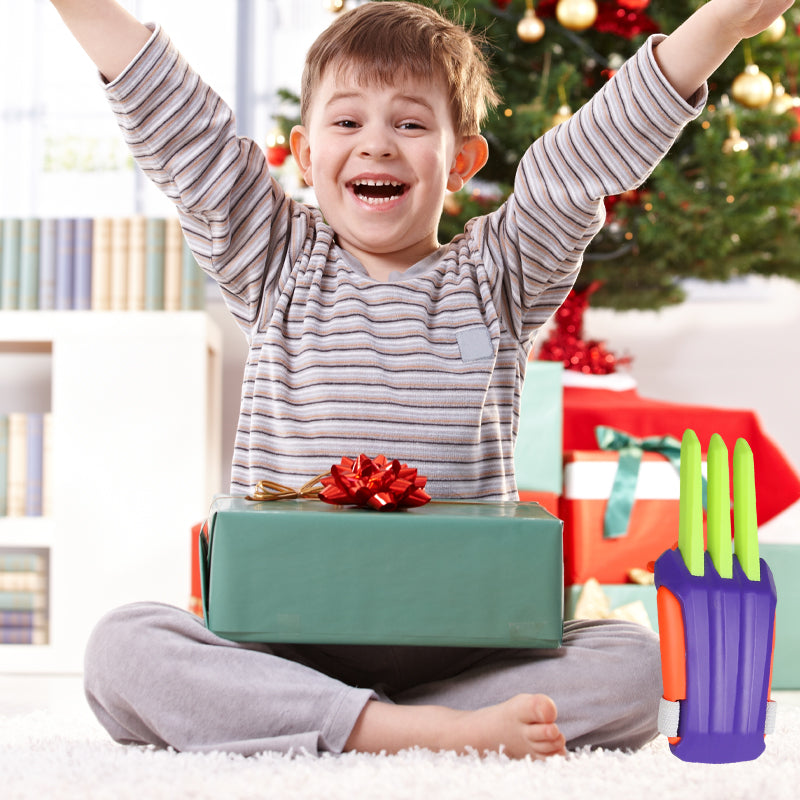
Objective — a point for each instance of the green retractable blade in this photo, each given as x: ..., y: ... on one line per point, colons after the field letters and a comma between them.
x: 719, y: 508
x: 745, y: 524
x: 690, y: 526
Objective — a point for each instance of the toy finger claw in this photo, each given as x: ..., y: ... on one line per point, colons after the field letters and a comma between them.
x: 716, y: 616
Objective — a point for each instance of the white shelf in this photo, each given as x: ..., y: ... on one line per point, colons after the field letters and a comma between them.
x: 135, y: 462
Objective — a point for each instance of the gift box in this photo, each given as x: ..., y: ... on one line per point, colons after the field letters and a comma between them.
x: 538, y: 453
x: 446, y: 573
x: 652, y: 527
x: 628, y: 601
x: 784, y: 563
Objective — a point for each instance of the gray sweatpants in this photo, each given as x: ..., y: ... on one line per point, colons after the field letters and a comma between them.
x: 155, y: 675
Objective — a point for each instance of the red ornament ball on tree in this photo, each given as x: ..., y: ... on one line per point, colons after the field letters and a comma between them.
x: 634, y: 5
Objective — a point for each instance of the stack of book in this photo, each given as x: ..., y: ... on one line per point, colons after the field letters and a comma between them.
x: 25, y: 464
x: 23, y: 597
x: 103, y: 264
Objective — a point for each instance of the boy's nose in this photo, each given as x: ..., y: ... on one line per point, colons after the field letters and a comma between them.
x: 377, y: 145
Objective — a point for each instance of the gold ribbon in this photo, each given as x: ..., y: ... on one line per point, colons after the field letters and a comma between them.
x: 269, y: 490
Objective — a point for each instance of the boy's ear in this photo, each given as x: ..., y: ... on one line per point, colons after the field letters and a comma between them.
x: 471, y: 156
x: 298, y: 143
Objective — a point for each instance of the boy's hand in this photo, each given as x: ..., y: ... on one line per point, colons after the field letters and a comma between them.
x: 107, y: 32
x: 690, y: 54
x: 747, y: 18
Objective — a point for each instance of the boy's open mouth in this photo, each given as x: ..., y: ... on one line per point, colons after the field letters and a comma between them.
x: 377, y: 191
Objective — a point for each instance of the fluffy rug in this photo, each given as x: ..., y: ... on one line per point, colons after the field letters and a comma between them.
x: 68, y: 757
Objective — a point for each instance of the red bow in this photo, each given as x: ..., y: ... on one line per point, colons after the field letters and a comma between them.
x: 379, y: 484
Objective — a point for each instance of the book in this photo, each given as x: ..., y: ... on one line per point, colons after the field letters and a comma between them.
x: 32, y: 635
x: 29, y: 265
x: 65, y: 263
x: 173, y: 264
x: 22, y: 619
x: 193, y: 281
x: 120, y: 229
x: 23, y: 601
x: 3, y: 469
x: 154, y: 265
x: 47, y: 466
x: 9, y: 267
x: 13, y: 561
x: 33, y: 464
x: 19, y: 581
x: 17, y: 463
x: 137, y: 261
x: 47, y: 264
x: 82, y: 265
x: 101, y: 264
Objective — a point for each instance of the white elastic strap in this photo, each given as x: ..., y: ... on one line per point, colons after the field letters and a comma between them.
x: 772, y: 713
x: 669, y: 714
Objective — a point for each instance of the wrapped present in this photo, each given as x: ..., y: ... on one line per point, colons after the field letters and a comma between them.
x: 784, y: 562
x: 446, y: 573
x: 628, y: 601
x: 608, y: 532
x: 538, y: 452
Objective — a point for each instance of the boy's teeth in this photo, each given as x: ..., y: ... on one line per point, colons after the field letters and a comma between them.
x: 377, y: 191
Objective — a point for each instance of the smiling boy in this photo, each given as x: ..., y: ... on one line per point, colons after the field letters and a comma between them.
x: 367, y: 336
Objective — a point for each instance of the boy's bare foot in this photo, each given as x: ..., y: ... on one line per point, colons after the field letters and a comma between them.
x: 522, y: 726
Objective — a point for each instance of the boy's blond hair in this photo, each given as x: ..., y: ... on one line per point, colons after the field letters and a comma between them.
x: 387, y: 41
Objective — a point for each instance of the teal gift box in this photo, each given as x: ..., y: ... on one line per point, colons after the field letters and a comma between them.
x: 446, y: 573
x: 538, y: 455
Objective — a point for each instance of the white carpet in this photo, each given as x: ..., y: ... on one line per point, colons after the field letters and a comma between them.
x: 68, y: 757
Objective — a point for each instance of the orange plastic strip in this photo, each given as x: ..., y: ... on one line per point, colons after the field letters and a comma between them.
x: 673, y: 648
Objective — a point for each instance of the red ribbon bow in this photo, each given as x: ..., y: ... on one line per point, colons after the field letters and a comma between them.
x: 374, y: 483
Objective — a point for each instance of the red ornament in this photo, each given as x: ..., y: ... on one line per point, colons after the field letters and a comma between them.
x: 567, y: 345
x: 625, y: 20
x: 794, y: 136
x: 501, y: 4
x: 634, y: 5
x: 277, y: 154
x: 379, y: 484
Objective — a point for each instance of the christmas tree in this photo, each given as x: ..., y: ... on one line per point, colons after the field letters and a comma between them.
x: 724, y: 203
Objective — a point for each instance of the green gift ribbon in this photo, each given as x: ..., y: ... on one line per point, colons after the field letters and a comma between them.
x: 623, y: 491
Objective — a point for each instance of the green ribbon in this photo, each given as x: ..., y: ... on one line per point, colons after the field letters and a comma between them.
x: 623, y: 491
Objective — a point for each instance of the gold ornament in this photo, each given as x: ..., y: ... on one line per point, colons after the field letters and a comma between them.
x: 562, y: 115
x: 782, y: 101
x: 530, y: 27
x: 775, y: 32
x: 577, y: 15
x: 334, y: 6
x: 734, y: 143
x: 752, y: 88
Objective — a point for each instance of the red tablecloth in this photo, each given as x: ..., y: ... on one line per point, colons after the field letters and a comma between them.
x: 777, y: 483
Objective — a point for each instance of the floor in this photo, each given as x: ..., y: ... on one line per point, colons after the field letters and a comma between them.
x: 63, y: 694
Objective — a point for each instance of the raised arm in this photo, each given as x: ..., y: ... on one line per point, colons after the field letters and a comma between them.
x: 690, y: 54
x: 106, y: 31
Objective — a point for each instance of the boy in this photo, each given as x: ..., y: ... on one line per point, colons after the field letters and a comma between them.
x: 367, y: 336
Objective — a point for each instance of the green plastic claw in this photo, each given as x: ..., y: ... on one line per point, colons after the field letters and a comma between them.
x: 745, y: 524
x: 719, y: 508
x: 690, y: 527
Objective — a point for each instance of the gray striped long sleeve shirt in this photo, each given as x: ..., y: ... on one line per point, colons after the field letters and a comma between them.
x: 428, y: 366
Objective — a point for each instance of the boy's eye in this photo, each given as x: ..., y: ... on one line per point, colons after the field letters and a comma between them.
x: 346, y: 123
x: 411, y: 126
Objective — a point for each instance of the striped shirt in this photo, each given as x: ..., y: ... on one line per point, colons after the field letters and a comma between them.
x: 428, y: 366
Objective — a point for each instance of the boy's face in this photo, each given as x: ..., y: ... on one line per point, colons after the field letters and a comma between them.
x: 380, y: 159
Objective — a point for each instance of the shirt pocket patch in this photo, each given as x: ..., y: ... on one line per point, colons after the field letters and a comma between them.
x: 475, y: 344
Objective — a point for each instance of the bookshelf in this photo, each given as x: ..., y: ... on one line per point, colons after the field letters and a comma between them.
x: 135, y: 459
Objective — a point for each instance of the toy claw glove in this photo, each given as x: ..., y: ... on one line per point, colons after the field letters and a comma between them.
x: 716, y: 616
